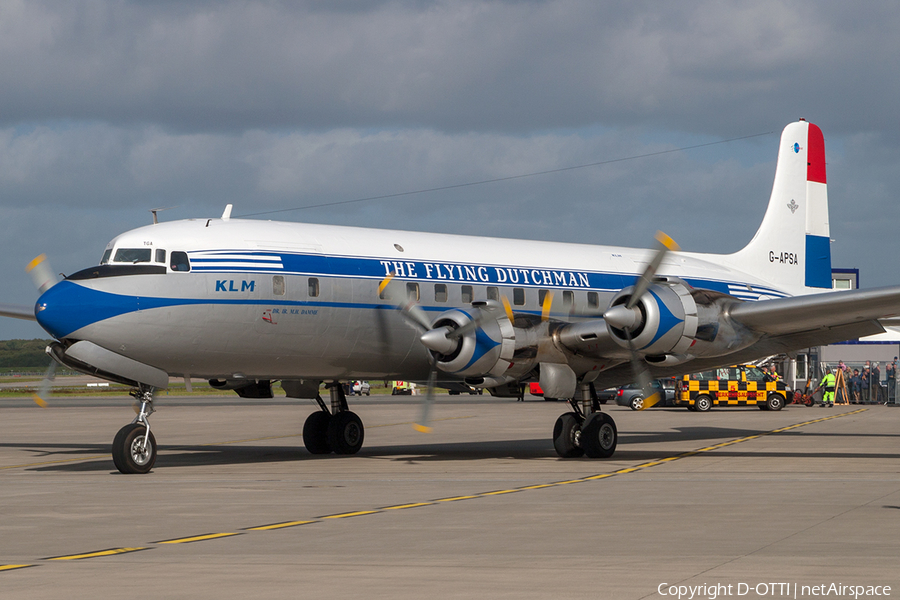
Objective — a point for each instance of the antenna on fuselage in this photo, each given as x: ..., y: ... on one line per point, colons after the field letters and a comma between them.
x: 156, y: 210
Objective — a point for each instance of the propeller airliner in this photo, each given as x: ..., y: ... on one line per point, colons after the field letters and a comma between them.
x: 245, y: 303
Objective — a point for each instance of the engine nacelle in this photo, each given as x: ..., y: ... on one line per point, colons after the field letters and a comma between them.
x: 674, y: 323
x: 484, y: 349
x: 667, y: 321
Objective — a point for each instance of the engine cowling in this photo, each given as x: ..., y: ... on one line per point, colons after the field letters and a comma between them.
x: 672, y: 323
x: 484, y: 348
x: 665, y: 319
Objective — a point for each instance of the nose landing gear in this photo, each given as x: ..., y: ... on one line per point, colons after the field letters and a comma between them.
x: 134, y: 447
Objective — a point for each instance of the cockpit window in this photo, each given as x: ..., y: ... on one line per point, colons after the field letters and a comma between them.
x: 180, y: 262
x: 106, y: 256
x: 132, y: 255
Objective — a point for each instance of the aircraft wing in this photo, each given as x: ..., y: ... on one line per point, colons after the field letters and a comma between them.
x: 818, y: 311
x: 767, y: 346
x: 17, y: 312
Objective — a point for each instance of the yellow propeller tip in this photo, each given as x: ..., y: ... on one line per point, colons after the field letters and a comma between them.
x: 421, y: 428
x: 508, y: 308
x: 651, y: 401
x: 666, y: 241
x: 37, y: 260
x: 39, y: 401
x: 384, y: 282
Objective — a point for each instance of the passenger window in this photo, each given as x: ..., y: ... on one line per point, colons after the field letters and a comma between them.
x: 569, y: 299
x: 440, y: 292
x: 412, y: 291
x: 278, y: 285
x: 132, y: 255
x: 593, y: 300
x: 493, y: 293
x: 542, y: 296
x: 161, y: 256
x: 519, y: 296
x: 467, y: 294
x: 313, y: 287
x: 179, y: 262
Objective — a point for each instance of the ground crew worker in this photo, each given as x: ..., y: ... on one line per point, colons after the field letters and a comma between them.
x: 772, y: 373
x: 828, y: 384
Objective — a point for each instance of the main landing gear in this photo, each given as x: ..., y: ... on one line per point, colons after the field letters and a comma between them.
x: 134, y: 447
x: 338, y: 430
x: 580, y: 432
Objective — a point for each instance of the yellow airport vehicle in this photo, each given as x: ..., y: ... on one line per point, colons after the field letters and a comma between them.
x: 740, y: 385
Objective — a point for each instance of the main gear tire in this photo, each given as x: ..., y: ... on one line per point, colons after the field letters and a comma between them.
x: 346, y: 433
x: 315, y: 433
x: 566, y: 436
x: 599, y: 436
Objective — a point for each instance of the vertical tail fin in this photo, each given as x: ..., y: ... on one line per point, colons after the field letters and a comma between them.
x: 792, y: 246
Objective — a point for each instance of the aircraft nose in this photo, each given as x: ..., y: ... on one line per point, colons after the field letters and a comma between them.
x: 53, y: 310
x: 69, y: 307
x: 66, y: 307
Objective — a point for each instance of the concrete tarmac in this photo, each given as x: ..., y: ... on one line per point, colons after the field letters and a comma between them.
x: 480, y: 508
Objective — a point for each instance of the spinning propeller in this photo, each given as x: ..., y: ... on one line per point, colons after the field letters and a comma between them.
x: 438, y: 339
x: 628, y: 317
x: 44, y: 278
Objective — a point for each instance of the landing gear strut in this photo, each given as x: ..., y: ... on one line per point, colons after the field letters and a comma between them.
x: 576, y: 434
x: 134, y: 447
x: 338, y: 430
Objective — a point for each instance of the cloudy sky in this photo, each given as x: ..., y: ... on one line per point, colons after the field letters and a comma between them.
x: 109, y: 109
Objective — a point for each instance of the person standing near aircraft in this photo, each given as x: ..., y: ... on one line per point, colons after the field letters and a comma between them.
x: 896, y: 381
x: 875, y: 384
x: 827, y: 384
x: 890, y: 374
x: 855, y: 384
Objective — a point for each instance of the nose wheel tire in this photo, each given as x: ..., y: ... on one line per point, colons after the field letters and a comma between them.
x: 345, y: 433
x: 315, y: 433
x: 130, y: 454
x: 566, y: 436
x: 599, y: 436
